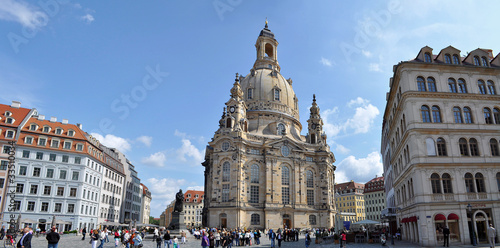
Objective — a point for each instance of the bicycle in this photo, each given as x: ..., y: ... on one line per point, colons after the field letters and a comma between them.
x: 9, y: 242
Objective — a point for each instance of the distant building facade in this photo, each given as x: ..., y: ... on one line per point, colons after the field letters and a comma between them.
x: 145, y: 204
x: 350, y: 199
x: 442, y: 124
x: 193, y: 207
x: 112, y: 188
x: 375, y: 198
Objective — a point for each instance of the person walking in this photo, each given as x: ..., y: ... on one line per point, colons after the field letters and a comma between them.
x: 204, y: 241
x: 166, y: 239
x: 217, y: 238
x: 52, y: 238
x: 25, y: 241
x: 94, y: 237
x: 492, y: 233
x: 446, y: 235
x: 2, y: 233
x: 156, y: 234
x: 84, y: 231
x: 137, y: 240
x: 158, y: 241
x: 183, y: 237
x: 272, y: 237
x: 176, y: 242
x: 343, y: 239
x: 211, y: 238
x: 102, y: 238
x: 308, y: 240
x: 279, y: 236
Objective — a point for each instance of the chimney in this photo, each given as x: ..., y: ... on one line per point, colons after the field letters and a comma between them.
x: 16, y: 104
x: 79, y: 126
x: 41, y: 117
x: 53, y: 119
x: 64, y: 121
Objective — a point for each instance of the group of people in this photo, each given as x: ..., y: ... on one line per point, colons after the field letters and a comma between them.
x: 26, y: 236
x: 123, y: 238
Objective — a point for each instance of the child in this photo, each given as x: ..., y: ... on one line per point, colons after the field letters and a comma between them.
x: 176, y: 242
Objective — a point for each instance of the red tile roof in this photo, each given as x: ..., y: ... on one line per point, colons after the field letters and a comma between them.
x: 193, y: 193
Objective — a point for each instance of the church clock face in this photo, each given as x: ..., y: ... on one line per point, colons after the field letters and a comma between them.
x: 313, y: 126
x: 231, y: 109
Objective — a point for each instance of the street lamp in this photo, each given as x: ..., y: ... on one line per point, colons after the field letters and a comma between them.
x: 471, y: 230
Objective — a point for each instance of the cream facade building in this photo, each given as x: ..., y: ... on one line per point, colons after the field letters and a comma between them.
x: 375, y: 198
x: 260, y: 172
x: 442, y: 123
x: 350, y: 199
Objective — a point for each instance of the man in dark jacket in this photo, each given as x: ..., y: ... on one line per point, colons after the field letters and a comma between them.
x: 84, y: 231
x: 25, y: 241
x: 446, y: 234
x: 2, y: 233
x: 53, y: 238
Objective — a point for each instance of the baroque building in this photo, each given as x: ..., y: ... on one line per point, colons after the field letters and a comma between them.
x: 260, y: 172
x: 440, y: 138
x: 375, y: 198
x: 350, y: 199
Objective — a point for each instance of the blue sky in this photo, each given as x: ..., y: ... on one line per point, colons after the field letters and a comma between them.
x: 151, y: 77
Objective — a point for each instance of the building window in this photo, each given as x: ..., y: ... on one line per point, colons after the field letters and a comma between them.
x: 36, y: 172
x: 225, y: 192
x: 19, y: 188
x: 28, y: 140
x: 488, y: 119
x: 39, y: 155
x: 62, y: 174
x: 456, y: 60
x: 22, y: 170
x: 491, y: 88
x: 480, y: 183
x: 47, y: 190
x: 436, y: 114
x: 447, y: 59
x: 485, y: 61
x: 79, y: 147
x: 276, y: 94
x: 33, y: 127
x: 31, y: 206
x: 254, y: 174
x: 482, y: 87
x: 45, y: 207
x: 67, y: 145
x: 60, y: 191
x: 4, y: 165
x: 310, y: 197
x: 281, y: 129
x: 476, y: 61
x: 57, y: 207
x: 17, y: 205
x: 65, y: 158
x: 312, y: 219
x: 494, y: 147
x: 46, y: 129
x: 447, y: 188
x: 26, y: 154
x: 255, y: 219
x: 452, y: 85
x: 462, y: 86
x: 457, y: 114
x: 441, y: 147
x: 225, y: 146
x: 309, y: 179
x: 78, y: 160
x: 435, y: 183
x: 72, y: 192
x: 498, y: 181
x: 469, y: 183
x: 9, y: 134
x: 426, y: 116
x: 34, y: 189
x: 75, y: 175
x: 71, y: 133
x: 468, y: 115
x: 226, y: 172
x: 249, y: 93
x: 285, y: 195
x: 462, y: 144
x: 421, y: 84
x: 427, y: 57
x: 474, y: 149
x: 285, y: 151
x: 52, y: 157
x: 50, y: 173
x: 431, y: 83
x: 71, y: 208
x: 55, y: 144
x: 285, y: 176
x: 58, y: 131
x: 254, y: 194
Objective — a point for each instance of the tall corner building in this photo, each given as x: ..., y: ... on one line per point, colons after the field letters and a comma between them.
x: 260, y: 172
x: 440, y: 137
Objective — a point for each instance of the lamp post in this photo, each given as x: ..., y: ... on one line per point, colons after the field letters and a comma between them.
x: 471, y: 230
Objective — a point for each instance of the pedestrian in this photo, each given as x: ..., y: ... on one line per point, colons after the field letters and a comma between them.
x: 211, y: 238
x: 280, y: 238
x: 176, y: 242
x: 158, y: 241
x: 126, y: 238
x: 2, y: 233
x: 446, y: 235
x: 94, y: 237
x: 156, y: 233
x: 308, y: 240
x: 25, y: 241
x: 272, y: 237
x: 137, y: 240
x: 343, y: 239
x: 491, y: 235
x: 117, y: 238
x: 183, y: 236
x: 84, y: 231
x: 166, y: 239
x: 217, y: 238
x: 53, y: 238
x: 204, y: 241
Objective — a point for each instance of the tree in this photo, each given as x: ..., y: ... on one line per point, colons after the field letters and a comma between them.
x: 153, y: 221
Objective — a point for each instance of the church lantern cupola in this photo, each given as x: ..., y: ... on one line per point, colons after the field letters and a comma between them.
x: 267, y: 55
x: 315, y: 125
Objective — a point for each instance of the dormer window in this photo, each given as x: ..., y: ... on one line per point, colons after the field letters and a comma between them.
x: 485, y: 61
x: 33, y: 127
x: 9, y: 134
x: 447, y: 59
x: 189, y: 196
x: 71, y: 133
x: 249, y: 93
x: 59, y: 131
x: 42, y: 141
x: 196, y: 196
x: 476, y: 61
x: 55, y: 143
x: 8, y: 113
x: 79, y: 147
x: 427, y: 58
x: 456, y: 60
x: 28, y: 140
x: 46, y: 129
x: 9, y: 120
x: 67, y: 145
x: 277, y: 94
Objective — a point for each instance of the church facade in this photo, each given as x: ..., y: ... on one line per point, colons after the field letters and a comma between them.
x: 260, y: 172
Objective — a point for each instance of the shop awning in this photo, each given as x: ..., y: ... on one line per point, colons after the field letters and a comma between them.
x: 453, y: 217
x: 412, y: 219
x: 439, y: 217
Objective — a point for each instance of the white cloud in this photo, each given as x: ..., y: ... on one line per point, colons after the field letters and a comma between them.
x: 374, y: 67
x: 367, y: 54
x: 360, y: 170
x: 326, y: 62
x: 189, y: 152
x: 163, y: 191
x: 113, y: 142
x: 342, y: 149
x: 88, y: 18
x: 146, y: 140
x: 158, y: 159
x: 360, y: 122
x: 25, y: 14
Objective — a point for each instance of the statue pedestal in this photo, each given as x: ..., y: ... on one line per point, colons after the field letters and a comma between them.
x: 177, y: 223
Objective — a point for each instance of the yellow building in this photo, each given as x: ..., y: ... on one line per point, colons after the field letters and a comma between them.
x: 350, y: 199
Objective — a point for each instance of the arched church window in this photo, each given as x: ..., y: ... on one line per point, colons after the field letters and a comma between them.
x: 313, y: 138
x: 226, y: 172
x: 285, y: 176
x: 228, y: 122
x: 269, y: 50
x: 281, y: 129
x: 254, y: 174
x: 312, y: 219
x: 277, y: 94
x: 309, y: 179
x: 250, y: 93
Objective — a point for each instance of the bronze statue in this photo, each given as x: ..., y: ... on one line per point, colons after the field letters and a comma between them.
x: 179, y: 199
